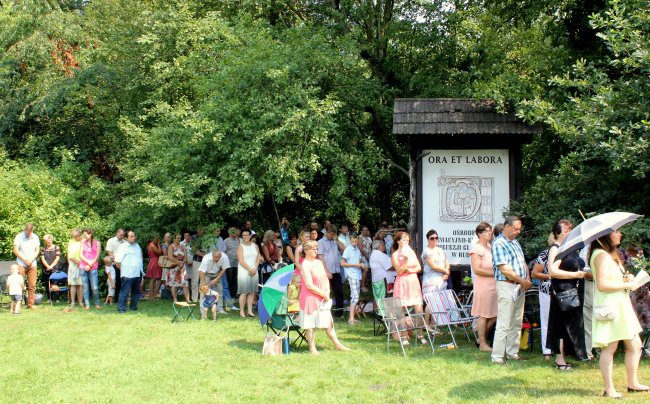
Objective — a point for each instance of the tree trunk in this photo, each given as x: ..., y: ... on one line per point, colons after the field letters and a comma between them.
x: 413, y: 209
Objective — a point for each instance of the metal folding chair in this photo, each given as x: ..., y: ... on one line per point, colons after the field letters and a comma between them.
x: 179, y: 307
x: 446, y: 310
x: 398, y: 320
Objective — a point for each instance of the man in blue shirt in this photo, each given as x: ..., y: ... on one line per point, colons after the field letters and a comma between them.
x: 511, y: 273
x: 129, y: 260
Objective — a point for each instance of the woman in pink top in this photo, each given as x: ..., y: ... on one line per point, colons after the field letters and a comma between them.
x: 315, y: 303
x: 90, y: 250
x: 485, y: 286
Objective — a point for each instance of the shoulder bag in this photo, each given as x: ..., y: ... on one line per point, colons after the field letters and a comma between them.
x: 568, y: 299
x: 272, y: 345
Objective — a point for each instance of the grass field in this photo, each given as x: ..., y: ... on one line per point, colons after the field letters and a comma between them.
x: 100, y: 356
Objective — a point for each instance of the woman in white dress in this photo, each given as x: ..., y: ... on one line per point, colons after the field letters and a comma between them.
x: 248, y: 254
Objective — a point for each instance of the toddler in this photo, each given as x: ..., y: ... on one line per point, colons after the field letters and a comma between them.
x: 208, y: 301
x: 292, y: 295
x: 110, y: 279
x: 16, y: 287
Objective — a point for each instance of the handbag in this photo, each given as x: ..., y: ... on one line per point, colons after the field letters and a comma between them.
x: 568, y: 299
x: 272, y: 345
x: 165, y: 262
x: 604, y: 313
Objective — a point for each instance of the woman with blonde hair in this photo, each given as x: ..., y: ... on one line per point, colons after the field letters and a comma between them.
x: 315, y: 303
x: 51, y: 260
x: 270, y: 254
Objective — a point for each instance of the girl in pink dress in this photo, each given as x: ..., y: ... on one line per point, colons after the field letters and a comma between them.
x: 407, y: 285
x: 485, y: 288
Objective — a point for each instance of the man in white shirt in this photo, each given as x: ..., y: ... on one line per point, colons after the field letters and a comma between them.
x: 213, y: 267
x: 112, y: 245
x: 26, y: 248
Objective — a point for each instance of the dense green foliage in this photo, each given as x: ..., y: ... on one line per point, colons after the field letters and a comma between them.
x: 170, y: 114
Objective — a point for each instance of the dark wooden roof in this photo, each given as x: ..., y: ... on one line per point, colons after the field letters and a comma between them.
x: 450, y: 116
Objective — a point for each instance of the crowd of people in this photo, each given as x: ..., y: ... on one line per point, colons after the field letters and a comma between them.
x: 216, y: 270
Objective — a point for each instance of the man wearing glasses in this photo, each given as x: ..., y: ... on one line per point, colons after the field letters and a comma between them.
x: 329, y: 252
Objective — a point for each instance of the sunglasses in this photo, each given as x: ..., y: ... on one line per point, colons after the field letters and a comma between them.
x: 433, y: 238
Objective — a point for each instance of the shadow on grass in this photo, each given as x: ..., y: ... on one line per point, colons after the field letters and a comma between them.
x: 485, y: 389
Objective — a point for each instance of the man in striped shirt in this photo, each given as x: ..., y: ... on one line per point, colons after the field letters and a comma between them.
x: 511, y: 273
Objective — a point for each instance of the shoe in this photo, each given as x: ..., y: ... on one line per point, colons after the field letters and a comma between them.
x: 615, y: 397
x: 631, y: 390
x: 221, y: 311
x: 564, y: 368
x: 250, y: 315
x: 517, y: 358
x: 98, y: 307
x: 352, y: 322
x: 234, y: 307
x: 227, y: 308
x: 498, y: 361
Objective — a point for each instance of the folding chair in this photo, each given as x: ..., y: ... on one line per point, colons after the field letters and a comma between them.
x: 58, y: 279
x: 179, y: 307
x: 4, y: 273
x: 283, y: 322
x: 379, y: 293
x: 446, y: 310
x: 398, y: 320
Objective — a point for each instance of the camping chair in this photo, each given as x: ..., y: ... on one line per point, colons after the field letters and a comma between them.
x: 446, y: 310
x: 379, y: 293
x: 60, y: 279
x: 179, y: 307
x: 397, y: 320
x: 283, y: 322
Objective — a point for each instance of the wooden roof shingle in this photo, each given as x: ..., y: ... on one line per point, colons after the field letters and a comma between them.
x: 449, y: 116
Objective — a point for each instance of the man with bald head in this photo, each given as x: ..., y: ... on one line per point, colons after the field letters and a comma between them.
x: 213, y: 267
x: 26, y: 247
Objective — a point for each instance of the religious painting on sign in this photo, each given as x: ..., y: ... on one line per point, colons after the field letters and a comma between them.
x: 465, y: 199
x: 460, y: 189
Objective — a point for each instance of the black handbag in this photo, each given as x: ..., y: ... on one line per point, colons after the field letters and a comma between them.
x: 568, y: 299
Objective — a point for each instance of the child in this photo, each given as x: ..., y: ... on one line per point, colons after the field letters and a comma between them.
x: 208, y: 301
x: 351, y: 261
x: 16, y: 287
x: 292, y: 295
x: 110, y: 279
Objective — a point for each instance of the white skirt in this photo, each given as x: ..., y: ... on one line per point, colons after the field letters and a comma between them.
x: 321, y: 318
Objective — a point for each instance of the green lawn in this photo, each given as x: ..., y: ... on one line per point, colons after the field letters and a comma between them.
x: 100, y: 356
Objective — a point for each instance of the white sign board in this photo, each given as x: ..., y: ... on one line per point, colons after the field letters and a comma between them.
x: 461, y: 188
